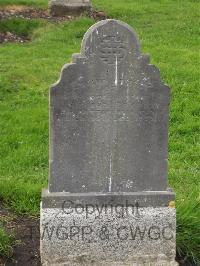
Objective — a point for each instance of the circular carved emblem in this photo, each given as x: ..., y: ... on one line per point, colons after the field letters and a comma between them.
x: 112, y: 48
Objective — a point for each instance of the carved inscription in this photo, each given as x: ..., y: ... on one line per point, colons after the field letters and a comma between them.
x: 106, y: 115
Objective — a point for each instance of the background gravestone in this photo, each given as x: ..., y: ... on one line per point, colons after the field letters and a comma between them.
x: 108, y: 157
x: 68, y: 7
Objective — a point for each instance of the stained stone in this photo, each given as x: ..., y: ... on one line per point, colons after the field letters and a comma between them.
x: 109, y: 117
x: 108, y: 201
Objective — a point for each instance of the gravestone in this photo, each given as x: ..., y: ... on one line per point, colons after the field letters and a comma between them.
x: 108, y: 202
x: 68, y: 7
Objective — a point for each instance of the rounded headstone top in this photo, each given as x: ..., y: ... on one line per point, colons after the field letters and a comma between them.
x: 110, y: 36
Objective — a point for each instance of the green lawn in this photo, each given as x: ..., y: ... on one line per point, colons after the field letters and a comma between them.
x: 168, y: 31
x: 34, y: 3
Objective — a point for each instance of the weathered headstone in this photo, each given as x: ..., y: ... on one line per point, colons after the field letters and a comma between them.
x: 68, y: 7
x: 108, y: 202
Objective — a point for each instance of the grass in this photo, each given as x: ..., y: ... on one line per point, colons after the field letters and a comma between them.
x: 32, y: 3
x: 168, y: 31
x: 21, y: 27
x: 7, y: 241
x: 24, y: 109
x: 188, y: 228
x: 7, y: 237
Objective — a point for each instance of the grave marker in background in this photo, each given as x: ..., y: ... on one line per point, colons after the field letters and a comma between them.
x: 108, y: 201
x: 68, y: 7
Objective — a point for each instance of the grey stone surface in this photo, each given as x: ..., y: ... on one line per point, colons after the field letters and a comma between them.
x: 144, y: 199
x: 68, y: 7
x: 108, y: 202
x: 143, y: 238
x: 109, y: 117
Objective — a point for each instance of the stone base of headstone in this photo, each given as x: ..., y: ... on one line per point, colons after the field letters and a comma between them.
x: 108, y: 229
x: 66, y: 7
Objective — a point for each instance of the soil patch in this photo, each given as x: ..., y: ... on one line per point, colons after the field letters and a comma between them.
x: 26, y: 230
x: 31, y: 13
x: 27, y: 12
x: 24, y: 12
x: 11, y: 37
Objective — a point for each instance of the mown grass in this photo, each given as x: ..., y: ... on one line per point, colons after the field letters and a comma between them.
x: 28, y: 71
x: 20, y: 26
x: 7, y: 241
x: 188, y: 228
x: 33, y: 3
x: 7, y: 237
x: 168, y: 31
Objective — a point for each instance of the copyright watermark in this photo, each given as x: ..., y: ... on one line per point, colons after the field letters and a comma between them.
x: 120, y: 210
x: 91, y: 233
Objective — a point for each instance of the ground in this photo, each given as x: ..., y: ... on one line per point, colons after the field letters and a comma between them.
x: 168, y: 31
